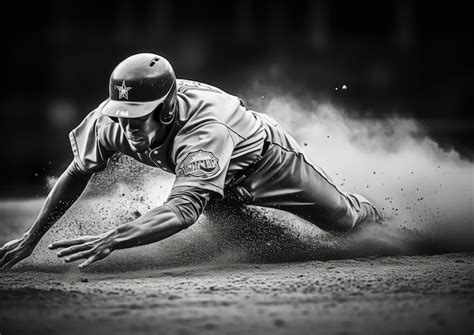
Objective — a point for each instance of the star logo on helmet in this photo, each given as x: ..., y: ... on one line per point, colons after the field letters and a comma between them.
x: 123, y: 90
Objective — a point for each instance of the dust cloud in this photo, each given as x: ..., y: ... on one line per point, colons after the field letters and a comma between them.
x: 417, y: 185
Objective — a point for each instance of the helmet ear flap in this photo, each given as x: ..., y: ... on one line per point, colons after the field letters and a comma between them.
x: 157, y: 113
x: 168, y: 107
x: 161, y: 115
x: 166, y: 118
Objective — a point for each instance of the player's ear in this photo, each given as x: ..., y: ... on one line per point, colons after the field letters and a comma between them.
x: 157, y: 111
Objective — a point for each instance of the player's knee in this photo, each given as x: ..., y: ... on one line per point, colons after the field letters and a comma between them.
x: 344, y: 218
x: 345, y: 223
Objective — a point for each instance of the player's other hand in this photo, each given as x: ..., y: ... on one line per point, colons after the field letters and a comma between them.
x: 90, y: 248
x: 14, y: 251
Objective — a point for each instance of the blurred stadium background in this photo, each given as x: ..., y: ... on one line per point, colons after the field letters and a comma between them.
x: 409, y: 58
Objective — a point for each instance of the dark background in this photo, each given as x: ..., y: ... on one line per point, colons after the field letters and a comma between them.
x: 410, y: 58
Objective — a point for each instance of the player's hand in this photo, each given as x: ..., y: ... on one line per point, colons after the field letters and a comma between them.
x: 14, y: 251
x: 90, y: 248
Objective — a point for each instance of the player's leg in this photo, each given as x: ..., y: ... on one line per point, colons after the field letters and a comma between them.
x: 289, y: 182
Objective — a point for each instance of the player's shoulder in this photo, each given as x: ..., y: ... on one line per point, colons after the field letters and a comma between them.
x: 201, y: 99
x: 95, y: 117
x: 201, y: 92
x: 188, y: 85
x: 95, y: 122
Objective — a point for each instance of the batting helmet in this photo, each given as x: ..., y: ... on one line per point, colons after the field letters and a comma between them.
x: 139, y: 85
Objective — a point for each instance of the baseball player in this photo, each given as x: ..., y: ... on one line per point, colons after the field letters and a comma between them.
x: 216, y: 147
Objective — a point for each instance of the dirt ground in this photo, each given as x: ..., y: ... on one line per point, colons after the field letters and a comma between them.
x: 234, y: 273
x: 399, y: 294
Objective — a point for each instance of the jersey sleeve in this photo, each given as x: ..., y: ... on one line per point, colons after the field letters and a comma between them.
x: 90, y: 154
x: 203, y: 157
x: 187, y: 203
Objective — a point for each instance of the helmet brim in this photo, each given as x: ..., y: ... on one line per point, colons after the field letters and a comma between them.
x: 129, y: 109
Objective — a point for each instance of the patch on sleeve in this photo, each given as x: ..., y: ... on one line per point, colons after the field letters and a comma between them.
x: 201, y: 164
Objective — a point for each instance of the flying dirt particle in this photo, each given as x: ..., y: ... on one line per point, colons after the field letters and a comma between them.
x: 344, y: 87
x: 137, y: 214
x: 84, y: 280
x: 210, y: 326
x: 279, y: 323
x: 305, y: 144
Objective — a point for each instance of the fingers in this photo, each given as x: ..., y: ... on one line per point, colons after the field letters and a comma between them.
x: 73, y: 249
x: 98, y: 256
x: 8, y: 265
x: 7, y: 247
x: 92, y: 255
x: 4, y: 260
x: 65, y: 243
x: 68, y: 243
x: 11, y: 243
x: 79, y: 255
x: 12, y: 253
x: 3, y: 251
x: 91, y: 248
x: 8, y: 261
x: 90, y: 260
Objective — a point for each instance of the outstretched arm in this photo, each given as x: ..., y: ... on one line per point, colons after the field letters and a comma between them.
x: 182, y: 209
x: 65, y: 192
x: 156, y: 225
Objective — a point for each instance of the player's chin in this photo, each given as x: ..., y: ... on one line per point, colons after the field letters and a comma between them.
x: 139, y: 146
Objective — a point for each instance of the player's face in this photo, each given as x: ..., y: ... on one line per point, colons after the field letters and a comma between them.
x: 140, y: 132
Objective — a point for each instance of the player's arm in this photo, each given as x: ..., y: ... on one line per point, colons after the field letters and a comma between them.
x: 182, y: 209
x: 65, y: 192
x: 209, y: 144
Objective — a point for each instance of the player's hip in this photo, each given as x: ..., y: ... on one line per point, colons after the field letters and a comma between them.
x: 282, y: 174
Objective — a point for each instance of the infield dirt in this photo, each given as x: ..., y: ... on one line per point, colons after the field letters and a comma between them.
x: 416, y: 295
x: 219, y: 281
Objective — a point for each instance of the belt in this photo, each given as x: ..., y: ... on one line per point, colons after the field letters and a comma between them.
x: 243, y: 174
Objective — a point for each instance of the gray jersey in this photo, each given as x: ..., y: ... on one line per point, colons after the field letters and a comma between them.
x: 213, y: 139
